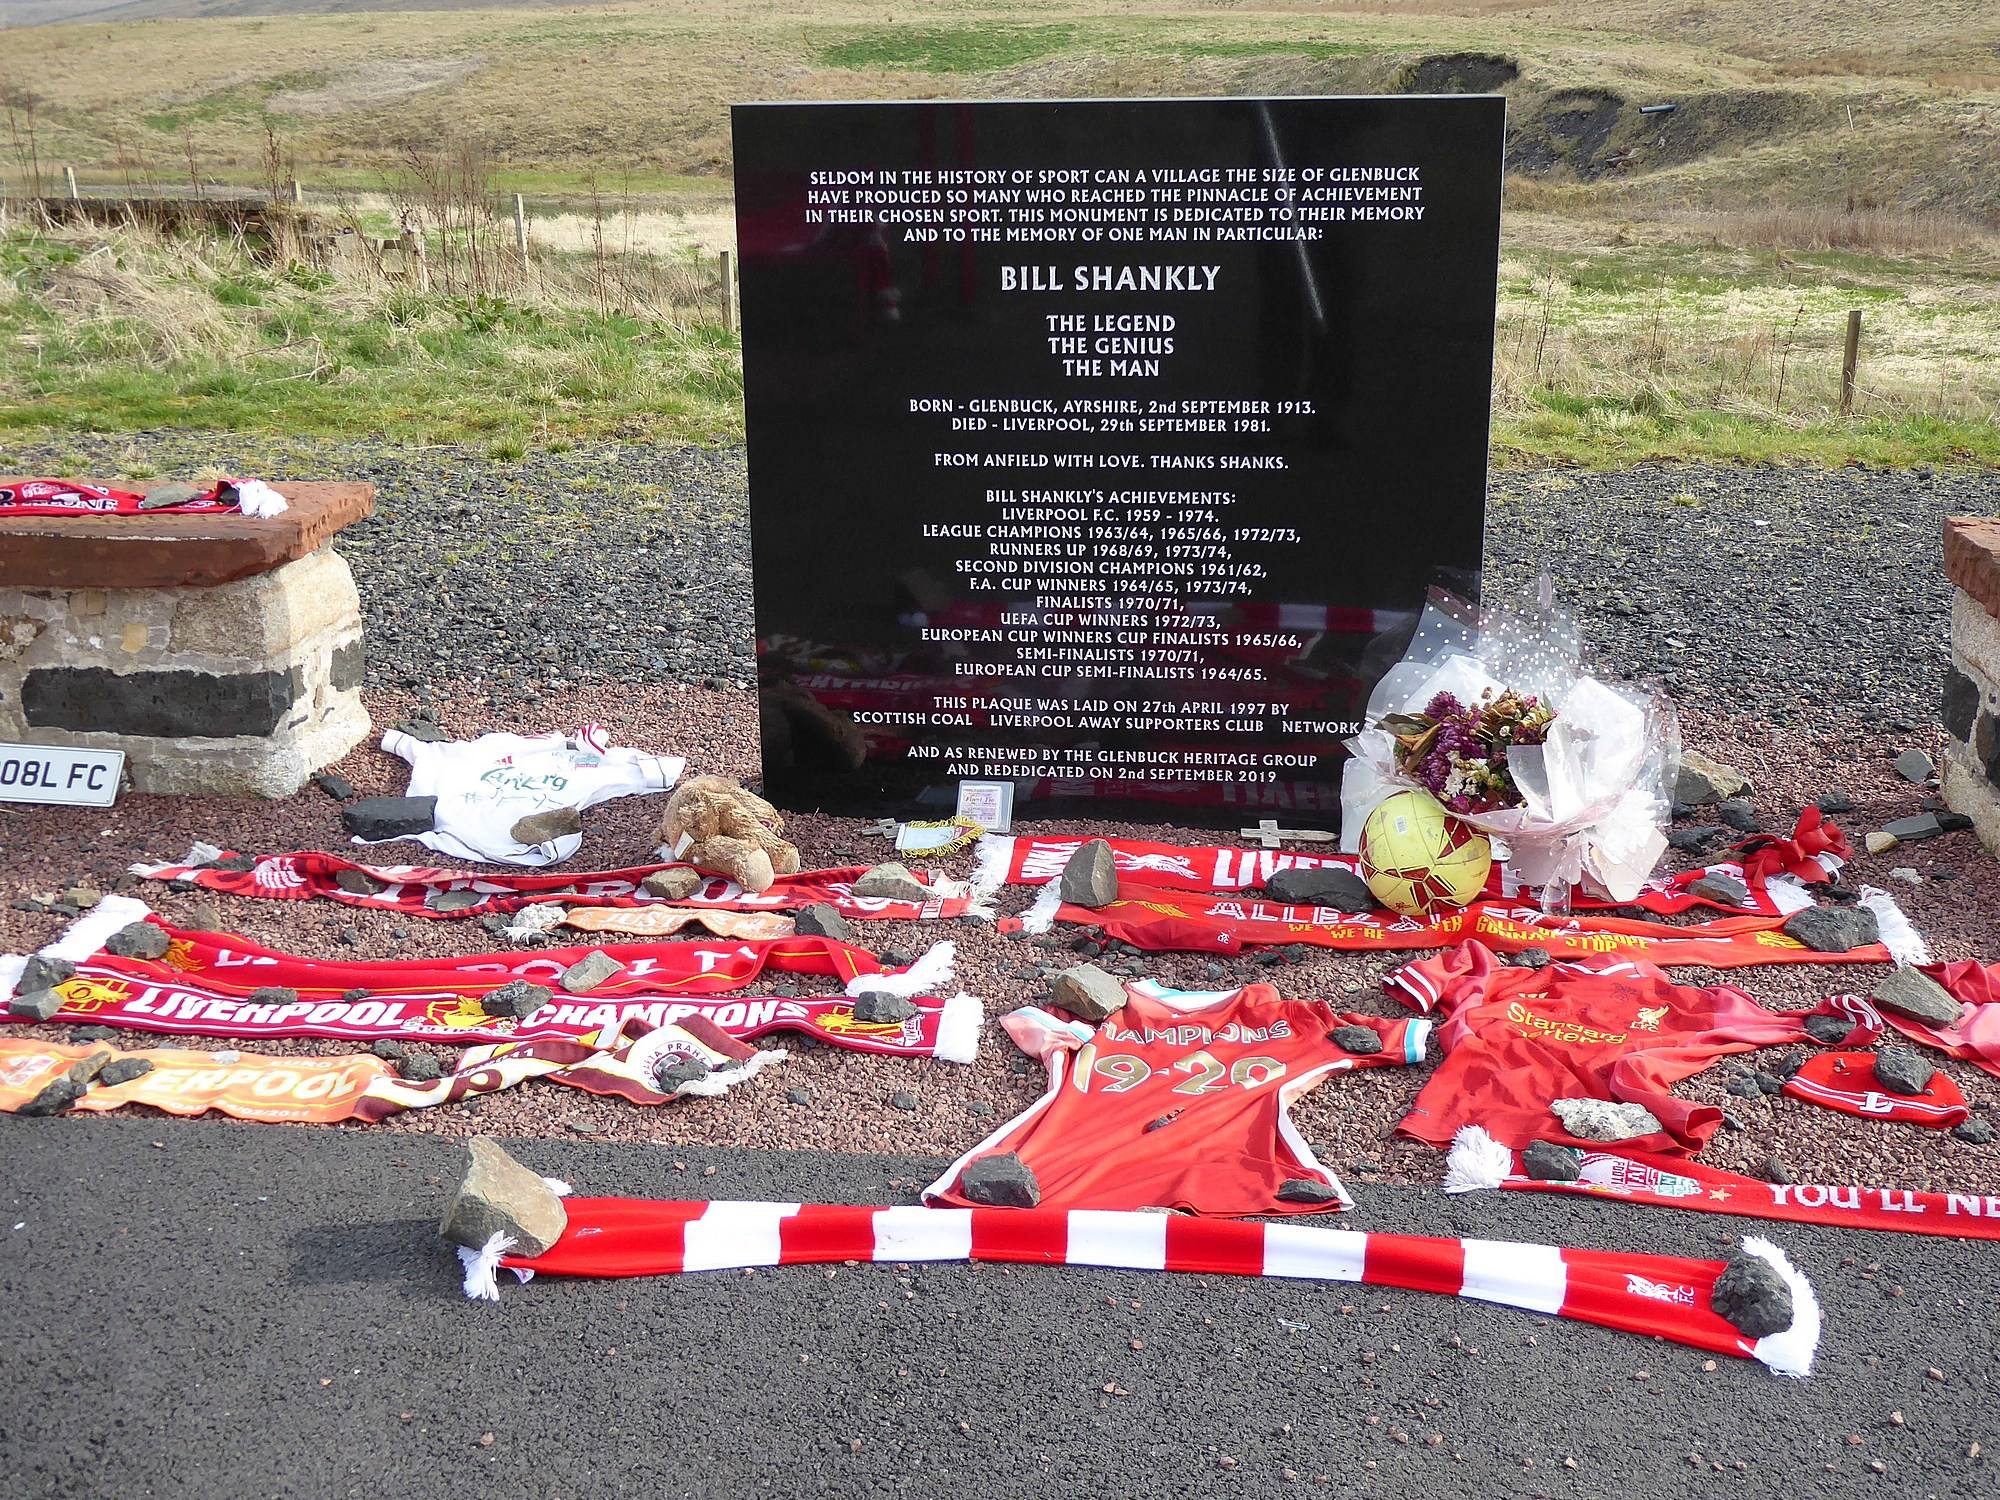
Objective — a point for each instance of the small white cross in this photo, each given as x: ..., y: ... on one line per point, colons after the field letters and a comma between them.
x: 1268, y: 835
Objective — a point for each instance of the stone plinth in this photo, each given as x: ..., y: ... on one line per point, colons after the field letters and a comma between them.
x: 1972, y: 681
x: 222, y: 654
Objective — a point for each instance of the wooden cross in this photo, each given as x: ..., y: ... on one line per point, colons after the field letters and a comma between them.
x: 1268, y: 835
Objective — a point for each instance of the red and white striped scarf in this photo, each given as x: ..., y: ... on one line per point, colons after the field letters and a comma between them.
x: 1659, y: 1295
x: 1478, y: 1163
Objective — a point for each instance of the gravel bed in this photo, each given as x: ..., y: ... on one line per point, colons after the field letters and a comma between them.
x: 1807, y: 663
x: 1802, y: 596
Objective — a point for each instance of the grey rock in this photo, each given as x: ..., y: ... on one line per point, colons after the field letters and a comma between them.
x: 1953, y: 822
x: 799, y: 1096
x: 1000, y: 1181
x: 389, y: 1049
x: 417, y: 1066
x: 881, y: 1006
x: 202, y: 916
x: 1693, y: 840
x: 34, y: 1005
x: 124, y: 1070
x: 377, y: 818
x: 547, y: 826
x: 1358, y: 1040
x: 1833, y: 929
x: 1773, y: 1170
x: 162, y: 495
x: 1738, y: 814
x: 904, y: 1100
x: 85, y: 1035
x: 588, y: 972
x: 821, y: 920
x: 1901, y: 1071
x: 1836, y: 803
x: 674, y: 884
x: 1601, y: 1120
x: 1974, y: 1132
x: 1545, y: 1161
x: 1788, y: 1064
x: 85, y: 1069
x: 337, y: 787
x: 675, y: 1071
x: 1724, y: 890
x: 497, y: 1195
x: 1769, y: 1083
x: 1331, y: 886
x: 420, y: 728
x: 460, y: 899
x: 1753, y: 1296
x: 1914, y: 765
x: 1531, y: 958
x: 1743, y: 1086
x: 140, y: 940
x: 273, y: 994
x: 233, y: 864
x: 1306, y: 1190
x: 979, y: 1108
x: 1702, y: 781
x: 55, y: 1097
x: 1917, y: 826
x: 1087, y: 992
x: 1913, y: 993
x: 891, y: 882
x: 42, y: 973
x: 359, y: 882
x: 1091, y: 876
x: 518, y: 998
x: 1828, y: 1030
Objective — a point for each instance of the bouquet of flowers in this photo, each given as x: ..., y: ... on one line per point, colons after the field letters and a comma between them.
x: 1459, y: 754
x: 1492, y: 713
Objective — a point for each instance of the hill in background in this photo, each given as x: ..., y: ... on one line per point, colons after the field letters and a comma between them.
x: 1890, y: 103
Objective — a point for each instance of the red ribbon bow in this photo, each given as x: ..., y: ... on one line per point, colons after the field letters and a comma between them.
x: 1765, y: 854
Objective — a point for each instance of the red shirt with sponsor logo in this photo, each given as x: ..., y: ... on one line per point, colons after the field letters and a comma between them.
x: 1179, y: 1100
x: 1515, y: 1039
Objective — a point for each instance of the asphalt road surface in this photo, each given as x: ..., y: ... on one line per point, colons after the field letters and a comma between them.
x: 200, y: 1309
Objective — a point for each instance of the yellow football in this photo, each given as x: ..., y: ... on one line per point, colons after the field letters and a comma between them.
x: 1416, y: 857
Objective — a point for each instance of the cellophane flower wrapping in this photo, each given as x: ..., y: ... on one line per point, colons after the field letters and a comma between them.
x: 1596, y: 794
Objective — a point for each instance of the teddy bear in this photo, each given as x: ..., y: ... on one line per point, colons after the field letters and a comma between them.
x: 715, y: 825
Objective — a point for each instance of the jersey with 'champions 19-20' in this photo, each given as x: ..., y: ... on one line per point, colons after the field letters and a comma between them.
x: 1179, y: 1100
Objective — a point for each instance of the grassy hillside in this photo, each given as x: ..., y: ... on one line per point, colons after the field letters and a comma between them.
x: 1883, y: 102
x: 1673, y: 283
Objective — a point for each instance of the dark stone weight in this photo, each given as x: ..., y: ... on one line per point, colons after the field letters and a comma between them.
x: 167, y: 705
x: 349, y: 666
x: 1961, y: 704
x: 1753, y: 1296
x: 376, y: 818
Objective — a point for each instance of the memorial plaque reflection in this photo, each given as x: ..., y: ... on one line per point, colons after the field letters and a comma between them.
x: 1106, y: 449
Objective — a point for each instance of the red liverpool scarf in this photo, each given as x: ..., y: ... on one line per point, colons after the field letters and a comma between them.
x: 68, y: 497
x: 1478, y: 1162
x: 217, y: 984
x: 1658, y: 1295
x: 1162, y: 920
x: 416, y: 890
x: 1022, y: 860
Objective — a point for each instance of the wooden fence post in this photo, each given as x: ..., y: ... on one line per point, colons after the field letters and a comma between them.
x: 729, y: 312
x: 521, y: 228
x: 1848, y: 360
x: 298, y: 191
x: 69, y: 182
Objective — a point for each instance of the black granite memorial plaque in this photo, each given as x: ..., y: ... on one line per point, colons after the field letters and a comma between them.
x: 1106, y: 448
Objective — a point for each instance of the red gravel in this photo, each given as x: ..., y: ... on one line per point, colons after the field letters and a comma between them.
x: 1349, y: 1120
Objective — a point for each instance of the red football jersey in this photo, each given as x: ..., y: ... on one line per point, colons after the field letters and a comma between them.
x: 1606, y: 1028
x: 1179, y: 1101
